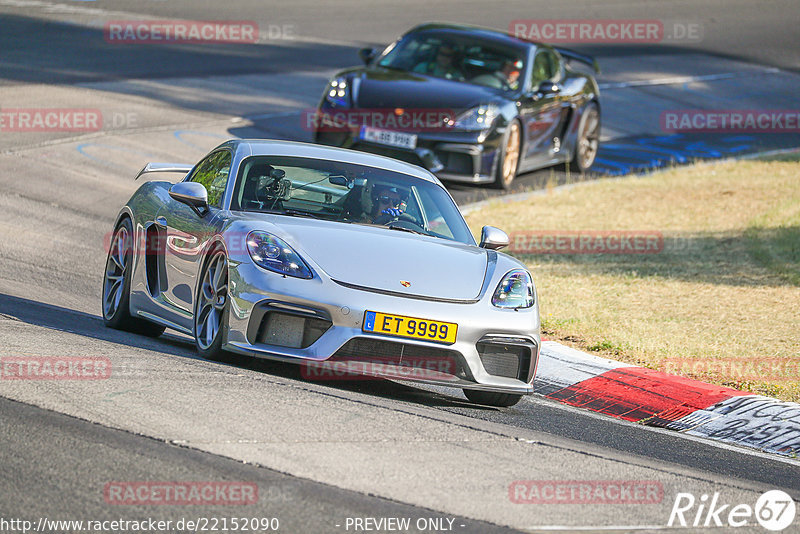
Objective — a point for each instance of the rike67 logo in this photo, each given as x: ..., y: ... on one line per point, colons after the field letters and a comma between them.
x: 774, y: 510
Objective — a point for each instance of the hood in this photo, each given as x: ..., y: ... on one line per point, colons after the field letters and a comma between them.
x: 381, y: 88
x: 379, y: 258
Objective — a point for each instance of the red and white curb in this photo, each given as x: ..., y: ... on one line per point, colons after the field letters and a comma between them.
x: 659, y: 399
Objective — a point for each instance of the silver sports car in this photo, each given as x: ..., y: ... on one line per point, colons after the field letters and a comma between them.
x: 327, y: 257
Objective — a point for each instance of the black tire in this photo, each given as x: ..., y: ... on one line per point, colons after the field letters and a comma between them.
x: 490, y: 398
x: 116, y: 292
x: 207, y: 301
x: 508, y: 162
x: 588, y: 142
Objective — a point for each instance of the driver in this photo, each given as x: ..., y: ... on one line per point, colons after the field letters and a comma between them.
x: 255, y: 184
x: 506, y: 77
x: 509, y: 73
x: 387, y: 203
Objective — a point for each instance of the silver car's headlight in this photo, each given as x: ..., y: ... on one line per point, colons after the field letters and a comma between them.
x: 274, y: 254
x: 338, y: 92
x: 479, y: 118
x: 515, y: 290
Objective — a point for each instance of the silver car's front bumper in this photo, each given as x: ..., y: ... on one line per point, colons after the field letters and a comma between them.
x: 255, y: 292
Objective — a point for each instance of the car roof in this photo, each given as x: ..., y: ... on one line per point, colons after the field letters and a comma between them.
x: 270, y: 147
x: 490, y: 34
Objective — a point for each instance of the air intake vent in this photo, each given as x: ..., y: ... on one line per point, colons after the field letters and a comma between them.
x: 503, y: 360
x: 289, y: 330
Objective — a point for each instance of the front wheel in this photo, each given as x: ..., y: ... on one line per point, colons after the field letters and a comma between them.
x: 588, y: 139
x: 509, y: 156
x: 210, y: 313
x: 117, y: 285
x: 490, y: 398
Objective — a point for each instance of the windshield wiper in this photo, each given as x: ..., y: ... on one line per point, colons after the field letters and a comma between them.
x: 300, y: 213
x: 392, y: 67
x: 406, y: 229
x: 292, y: 213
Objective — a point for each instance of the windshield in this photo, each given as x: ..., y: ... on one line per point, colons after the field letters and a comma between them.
x: 462, y: 58
x: 347, y: 193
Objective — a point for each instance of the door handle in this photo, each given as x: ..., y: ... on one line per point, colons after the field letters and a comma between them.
x: 161, y: 221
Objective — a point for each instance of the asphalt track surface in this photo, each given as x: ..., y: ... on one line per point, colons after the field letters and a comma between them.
x: 320, y: 452
x: 300, y: 504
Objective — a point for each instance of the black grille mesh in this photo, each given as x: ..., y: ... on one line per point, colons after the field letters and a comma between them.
x: 401, y: 354
x: 289, y: 330
x: 504, y: 360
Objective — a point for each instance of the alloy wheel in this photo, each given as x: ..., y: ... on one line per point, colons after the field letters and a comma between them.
x: 211, y: 301
x: 116, y: 271
x: 588, y: 141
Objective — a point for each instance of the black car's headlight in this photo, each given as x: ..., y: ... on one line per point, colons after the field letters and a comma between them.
x: 515, y: 290
x: 479, y: 118
x: 338, y: 92
x: 274, y: 254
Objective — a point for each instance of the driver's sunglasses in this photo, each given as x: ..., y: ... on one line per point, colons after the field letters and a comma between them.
x: 391, y: 201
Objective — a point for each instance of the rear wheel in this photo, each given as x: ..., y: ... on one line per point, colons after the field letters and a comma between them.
x: 210, y: 314
x: 117, y: 285
x: 490, y: 398
x: 509, y: 156
x: 588, y: 139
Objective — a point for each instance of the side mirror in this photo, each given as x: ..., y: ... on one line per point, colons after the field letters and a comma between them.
x: 367, y: 55
x: 545, y: 88
x: 192, y: 194
x: 493, y: 238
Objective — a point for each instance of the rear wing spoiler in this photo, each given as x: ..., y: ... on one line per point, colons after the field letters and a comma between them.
x: 165, y: 167
x: 576, y: 56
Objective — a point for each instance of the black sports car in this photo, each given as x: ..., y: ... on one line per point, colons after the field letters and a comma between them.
x: 469, y: 104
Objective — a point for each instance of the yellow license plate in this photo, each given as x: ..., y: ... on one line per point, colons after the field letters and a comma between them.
x: 413, y: 327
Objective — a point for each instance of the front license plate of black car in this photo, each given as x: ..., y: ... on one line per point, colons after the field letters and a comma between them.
x: 389, y: 137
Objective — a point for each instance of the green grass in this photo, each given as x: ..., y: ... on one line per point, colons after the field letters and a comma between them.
x: 725, y: 287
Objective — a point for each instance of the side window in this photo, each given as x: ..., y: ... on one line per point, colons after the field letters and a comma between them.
x: 545, y: 67
x: 213, y: 173
x: 555, y: 66
x: 436, y: 221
